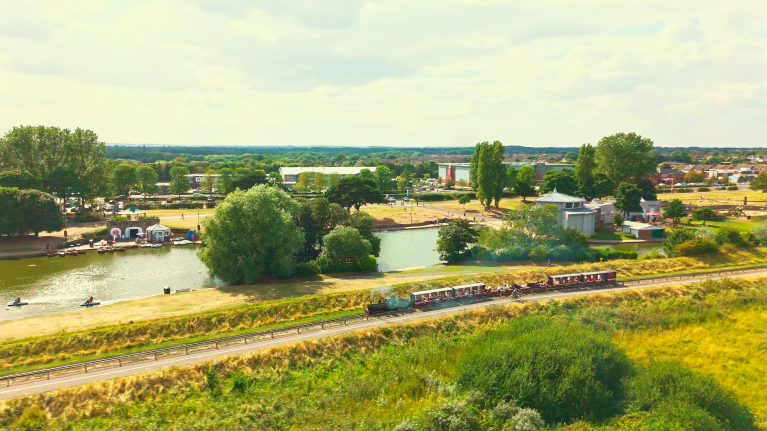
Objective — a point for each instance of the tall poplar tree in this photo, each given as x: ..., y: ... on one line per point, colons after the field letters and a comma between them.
x: 488, y: 173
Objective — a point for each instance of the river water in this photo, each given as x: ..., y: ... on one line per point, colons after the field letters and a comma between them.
x: 59, y: 284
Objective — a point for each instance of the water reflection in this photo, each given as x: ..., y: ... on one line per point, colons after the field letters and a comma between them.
x: 408, y: 248
x: 58, y: 284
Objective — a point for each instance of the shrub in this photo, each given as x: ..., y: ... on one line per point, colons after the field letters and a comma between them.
x: 684, y: 190
x: 94, y: 233
x: 431, y: 197
x: 86, y: 216
x: 561, y: 253
x: 671, y: 389
x: 367, y: 264
x: 307, y: 269
x: 729, y: 235
x: 502, y: 255
x: 118, y: 218
x: 609, y: 253
x: 564, y: 372
x: 704, y: 189
x: 539, y: 252
x: 695, y: 247
x: 732, y: 187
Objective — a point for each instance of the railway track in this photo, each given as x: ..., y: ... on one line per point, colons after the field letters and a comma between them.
x: 50, y: 378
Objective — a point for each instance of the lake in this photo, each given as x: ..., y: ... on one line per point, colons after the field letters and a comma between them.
x: 59, y: 284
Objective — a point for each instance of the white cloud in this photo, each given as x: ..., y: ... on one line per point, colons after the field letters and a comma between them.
x: 314, y: 72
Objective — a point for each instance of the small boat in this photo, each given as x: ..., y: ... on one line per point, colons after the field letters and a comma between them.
x: 62, y: 253
x: 101, y: 250
x: 72, y: 252
x: 53, y: 254
x: 92, y: 304
x: 119, y: 249
x: 156, y: 245
x: 182, y: 242
x: 146, y: 246
x: 17, y: 304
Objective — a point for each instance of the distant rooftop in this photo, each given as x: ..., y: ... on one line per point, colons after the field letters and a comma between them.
x: 298, y: 170
x: 556, y: 197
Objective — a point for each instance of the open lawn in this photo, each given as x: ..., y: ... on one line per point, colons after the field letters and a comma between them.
x: 385, y: 215
x: 742, y: 224
x: 717, y: 197
x: 475, y: 208
x: 610, y: 234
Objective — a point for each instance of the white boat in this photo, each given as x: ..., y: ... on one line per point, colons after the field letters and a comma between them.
x: 156, y: 245
x: 146, y: 246
x: 182, y: 242
x: 17, y: 304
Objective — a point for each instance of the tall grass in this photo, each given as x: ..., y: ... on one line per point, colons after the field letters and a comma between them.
x: 62, y: 347
x: 370, y: 379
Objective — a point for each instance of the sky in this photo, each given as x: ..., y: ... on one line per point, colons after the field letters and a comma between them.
x: 388, y: 73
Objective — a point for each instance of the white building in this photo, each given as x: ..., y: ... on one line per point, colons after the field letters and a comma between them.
x: 290, y: 174
x: 572, y: 211
x: 605, y: 210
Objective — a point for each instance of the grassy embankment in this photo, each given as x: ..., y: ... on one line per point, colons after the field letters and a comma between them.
x: 62, y: 348
x: 374, y: 379
x: 715, y: 197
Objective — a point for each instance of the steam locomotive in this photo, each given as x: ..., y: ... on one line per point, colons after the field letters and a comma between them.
x: 481, y: 290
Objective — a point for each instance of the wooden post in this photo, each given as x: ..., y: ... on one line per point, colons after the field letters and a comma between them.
x: 186, y: 349
x: 155, y: 356
x: 49, y: 375
x: 272, y: 334
x: 120, y: 362
x: 216, y: 345
x: 86, y: 369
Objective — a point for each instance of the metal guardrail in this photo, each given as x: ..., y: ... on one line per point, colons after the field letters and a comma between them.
x: 155, y: 354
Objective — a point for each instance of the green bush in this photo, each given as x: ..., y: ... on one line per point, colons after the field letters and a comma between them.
x: 704, y: 189
x: 86, y: 216
x: 695, y: 247
x: 307, y: 269
x: 94, y: 233
x: 367, y: 264
x: 118, y: 218
x: 684, y: 190
x: 732, y: 187
x: 539, y: 253
x: 729, y: 235
x: 430, y: 197
x: 609, y: 253
x: 564, y: 372
x: 674, y: 393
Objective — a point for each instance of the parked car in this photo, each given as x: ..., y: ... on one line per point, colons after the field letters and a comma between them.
x: 196, y: 194
x: 141, y: 201
x: 406, y: 199
x: 150, y: 202
x: 211, y: 199
x: 169, y: 200
x: 165, y: 203
x: 183, y: 199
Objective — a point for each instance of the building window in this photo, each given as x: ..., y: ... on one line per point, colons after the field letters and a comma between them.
x: 568, y: 205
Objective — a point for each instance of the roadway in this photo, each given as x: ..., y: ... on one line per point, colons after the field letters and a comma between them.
x: 100, y: 374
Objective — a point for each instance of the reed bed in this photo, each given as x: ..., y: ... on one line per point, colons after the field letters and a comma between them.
x: 368, y: 377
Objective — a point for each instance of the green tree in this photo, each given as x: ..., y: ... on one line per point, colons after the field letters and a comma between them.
x: 603, y: 185
x: 617, y: 219
x: 571, y: 157
x: 364, y: 222
x: 647, y: 188
x: 320, y: 182
x: 464, y: 199
x: 10, y: 216
x: 586, y: 163
x: 334, y: 179
x: 20, y: 179
x: 354, y: 192
x: 694, y: 177
x: 627, y: 199
x: 449, y: 184
x: 511, y: 178
x: 402, y: 184
x: 63, y: 181
x: 147, y: 178
x: 345, y: 244
x: 252, y: 178
x: 367, y: 174
x: 124, y: 178
x: 675, y: 211
x: 226, y: 180
x: 453, y: 240
x: 759, y: 183
x: 625, y: 157
x: 304, y: 182
x: 252, y: 233
x: 564, y: 181
x: 207, y: 181
x: 587, y: 189
x: 704, y: 214
x: 532, y: 225
x: 39, y: 150
x: 488, y: 173
x: 39, y: 212
x: 383, y: 177
x: 179, y: 183
x: 525, y: 182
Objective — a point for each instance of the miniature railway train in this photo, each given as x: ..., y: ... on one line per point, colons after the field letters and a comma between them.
x: 481, y: 290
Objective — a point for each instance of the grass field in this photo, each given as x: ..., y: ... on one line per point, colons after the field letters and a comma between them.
x: 610, y: 234
x: 374, y: 379
x: 742, y: 224
x: 385, y: 215
x: 731, y: 348
x: 714, y: 197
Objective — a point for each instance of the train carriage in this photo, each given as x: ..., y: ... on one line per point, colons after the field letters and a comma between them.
x: 600, y: 277
x: 565, y: 280
x: 427, y: 297
x: 469, y: 290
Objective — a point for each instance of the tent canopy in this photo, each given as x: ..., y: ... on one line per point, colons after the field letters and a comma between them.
x: 653, y: 214
x: 130, y: 210
x: 158, y: 228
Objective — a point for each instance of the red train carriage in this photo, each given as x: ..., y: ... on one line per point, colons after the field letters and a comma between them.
x: 600, y: 277
x: 469, y: 290
x: 566, y: 280
x: 428, y: 297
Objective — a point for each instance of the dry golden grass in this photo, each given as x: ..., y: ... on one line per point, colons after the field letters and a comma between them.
x: 385, y: 215
x: 731, y: 349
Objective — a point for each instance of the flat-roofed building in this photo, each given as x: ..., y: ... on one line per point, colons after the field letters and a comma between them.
x: 460, y: 171
x: 290, y: 174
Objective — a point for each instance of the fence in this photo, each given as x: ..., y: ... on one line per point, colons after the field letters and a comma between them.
x: 217, y: 343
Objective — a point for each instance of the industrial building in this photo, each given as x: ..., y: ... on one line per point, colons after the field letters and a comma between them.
x: 460, y: 171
